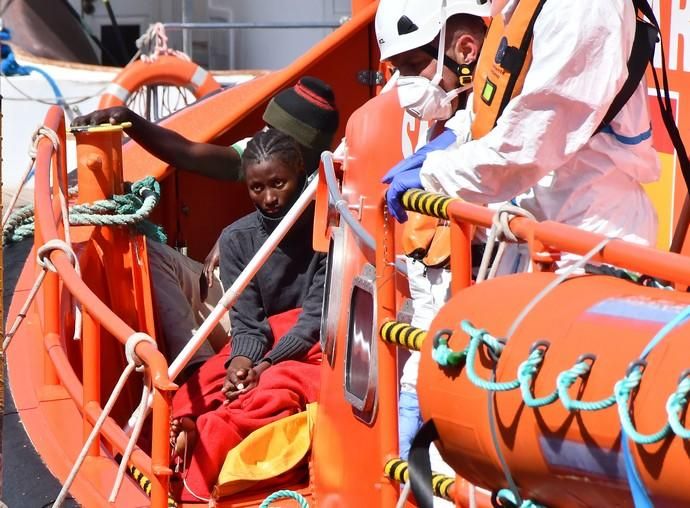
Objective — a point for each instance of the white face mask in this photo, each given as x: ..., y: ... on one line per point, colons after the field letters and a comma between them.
x: 423, y: 98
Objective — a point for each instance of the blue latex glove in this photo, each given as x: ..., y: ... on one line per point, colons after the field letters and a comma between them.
x: 405, y: 174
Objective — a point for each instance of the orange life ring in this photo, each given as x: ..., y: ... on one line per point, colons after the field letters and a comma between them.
x: 166, y: 70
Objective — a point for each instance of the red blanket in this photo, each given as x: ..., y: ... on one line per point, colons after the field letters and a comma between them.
x: 284, y: 389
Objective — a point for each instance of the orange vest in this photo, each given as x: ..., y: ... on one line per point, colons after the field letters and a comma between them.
x: 503, y: 63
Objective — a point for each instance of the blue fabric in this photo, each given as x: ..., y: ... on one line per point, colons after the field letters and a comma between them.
x: 405, y: 174
x: 628, y: 140
x: 637, y: 489
x: 409, y: 421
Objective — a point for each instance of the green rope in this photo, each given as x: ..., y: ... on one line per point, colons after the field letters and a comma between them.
x: 285, y: 494
x: 623, y: 389
x: 130, y: 209
x: 567, y: 379
x: 506, y: 498
x: 477, y: 338
x: 526, y: 373
x: 675, y: 405
x: 442, y: 353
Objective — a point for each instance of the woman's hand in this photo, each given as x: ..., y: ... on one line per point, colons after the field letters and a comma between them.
x: 115, y: 115
x: 211, y: 262
x: 242, y: 377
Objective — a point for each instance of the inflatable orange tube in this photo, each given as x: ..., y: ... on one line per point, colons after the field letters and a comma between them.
x: 556, y: 456
x: 166, y: 70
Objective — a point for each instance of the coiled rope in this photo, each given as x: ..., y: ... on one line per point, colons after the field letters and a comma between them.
x: 130, y: 209
x: 285, y: 494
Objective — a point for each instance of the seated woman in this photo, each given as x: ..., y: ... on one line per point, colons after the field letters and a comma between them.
x: 270, y: 369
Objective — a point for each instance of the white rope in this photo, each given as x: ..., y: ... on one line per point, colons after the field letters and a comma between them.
x: 402, y: 500
x: 132, y: 357
x: 183, y: 475
x: 154, y: 43
x: 129, y: 368
x: 500, y: 231
x: 133, y: 363
x: 33, y: 150
x: 43, y: 260
x: 15, y: 197
x: 567, y: 272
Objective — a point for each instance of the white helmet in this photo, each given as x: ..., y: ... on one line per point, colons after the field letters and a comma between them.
x: 403, y: 25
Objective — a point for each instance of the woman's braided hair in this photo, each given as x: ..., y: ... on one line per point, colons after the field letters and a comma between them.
x: 272, y: 143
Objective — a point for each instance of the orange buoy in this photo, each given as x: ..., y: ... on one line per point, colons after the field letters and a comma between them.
x: 557, y: 456
x: 166, y: 70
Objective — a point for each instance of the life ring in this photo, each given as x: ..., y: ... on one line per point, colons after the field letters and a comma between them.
x: 166, y: 70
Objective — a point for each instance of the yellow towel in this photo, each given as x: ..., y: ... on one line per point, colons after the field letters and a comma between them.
x: 267, y: 452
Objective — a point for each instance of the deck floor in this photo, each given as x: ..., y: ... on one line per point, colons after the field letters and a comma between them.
x: 26, y: 481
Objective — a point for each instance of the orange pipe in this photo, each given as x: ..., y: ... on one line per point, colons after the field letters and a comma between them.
x: 647, y: 260
x: 110, y: 430
x: 51, y: 322
x: 91, y: 303
x: 359, y: 5
x: 160, y: 453
x: 91, y: 372
x: 461, y: 260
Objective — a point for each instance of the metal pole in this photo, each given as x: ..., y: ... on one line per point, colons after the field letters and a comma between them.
x: 187, y: 14
x: 185, y: 26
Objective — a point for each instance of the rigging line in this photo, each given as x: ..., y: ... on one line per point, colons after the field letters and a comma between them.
x: 55, y: 102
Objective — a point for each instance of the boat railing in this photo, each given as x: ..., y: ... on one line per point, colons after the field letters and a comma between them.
x: 546, y: 240
x: 51, y: 167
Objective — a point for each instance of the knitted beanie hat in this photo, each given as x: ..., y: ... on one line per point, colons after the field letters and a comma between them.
x: 307, y: 112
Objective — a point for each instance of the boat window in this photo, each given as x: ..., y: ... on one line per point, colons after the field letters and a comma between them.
x: 330, y: 310
x: 361, y: 351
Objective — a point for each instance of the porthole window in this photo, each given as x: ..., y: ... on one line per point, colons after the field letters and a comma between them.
x: 362, y: 346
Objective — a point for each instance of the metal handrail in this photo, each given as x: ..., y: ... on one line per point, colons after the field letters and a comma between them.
x: 342, y: 206
x: 244, y: 25
x: 151, y: 358
x: 148, y: 354
x: 562, y: 237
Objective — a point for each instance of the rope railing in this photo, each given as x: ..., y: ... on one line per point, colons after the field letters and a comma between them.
x: 149, y: 356
x: 622, y: 390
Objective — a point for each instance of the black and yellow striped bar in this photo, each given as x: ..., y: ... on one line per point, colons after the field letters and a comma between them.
x: 427, y: 203
x: 403, y: 335
x: 145, y: 484
x: 398, y: 470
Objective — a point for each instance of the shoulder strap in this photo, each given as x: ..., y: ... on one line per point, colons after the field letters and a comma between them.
x: 646, y: 37
x: 664, y: 98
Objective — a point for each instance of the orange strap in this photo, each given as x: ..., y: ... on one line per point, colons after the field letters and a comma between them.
x: 503, y: 63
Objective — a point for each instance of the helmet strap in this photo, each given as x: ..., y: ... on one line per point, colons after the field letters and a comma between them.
x: 462, y: 71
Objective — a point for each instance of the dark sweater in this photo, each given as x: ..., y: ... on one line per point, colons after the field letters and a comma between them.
x: 293, y: 276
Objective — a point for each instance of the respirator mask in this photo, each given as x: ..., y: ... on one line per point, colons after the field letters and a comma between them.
x: 423, y: 98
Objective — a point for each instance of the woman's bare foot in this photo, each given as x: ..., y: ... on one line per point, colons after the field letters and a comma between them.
x: 183, y: 437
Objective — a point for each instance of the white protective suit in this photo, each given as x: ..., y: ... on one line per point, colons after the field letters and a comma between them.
x: 542, y: 150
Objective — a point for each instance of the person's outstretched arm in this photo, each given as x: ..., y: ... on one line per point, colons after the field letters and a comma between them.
x: 214, y: 161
